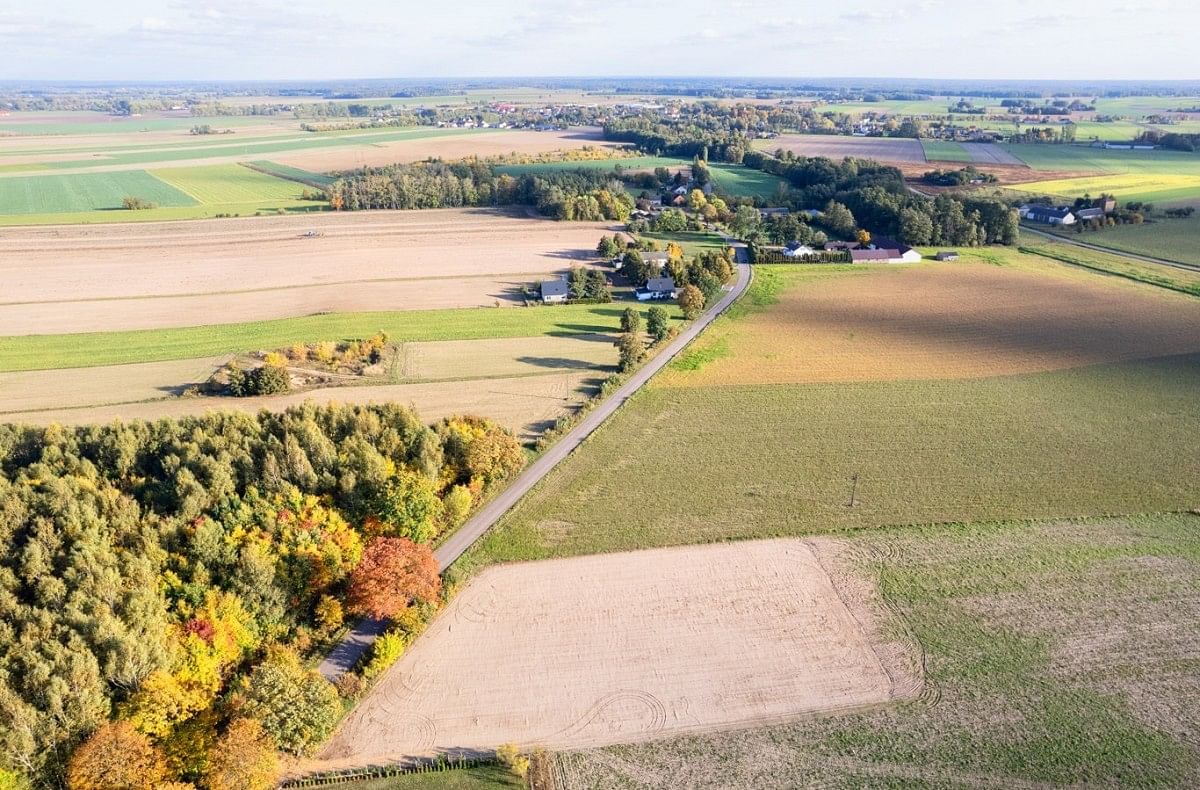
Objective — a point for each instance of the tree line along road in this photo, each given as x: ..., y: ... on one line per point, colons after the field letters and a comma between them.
x: 360, y: 638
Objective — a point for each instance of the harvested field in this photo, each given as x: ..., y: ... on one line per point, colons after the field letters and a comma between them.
x: 938, y: 321
x: 491, y: 143
x: 628, y: 647
x: 525, y: 404
x: 80, y: 387
x: 1058, y: 654
x: 53, y: 271
x: 515, y: 356
x: 989, y: 154
x: 882, y: 149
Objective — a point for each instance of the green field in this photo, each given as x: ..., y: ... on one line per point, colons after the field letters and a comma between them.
x: 1169, y: 239
x: 739, y: 180
x: 226, y: 184
x: 97, y: 192
x: 1084, y: 158
x: 945, y: 151
x: 294, y: 173
x: 38, y: 352
x: 693, y: 242
x: 485, y: 778
x: 1056, y: 654
x: 100, y: 123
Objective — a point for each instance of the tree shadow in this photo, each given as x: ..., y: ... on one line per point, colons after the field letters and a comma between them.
x: 559, y: 363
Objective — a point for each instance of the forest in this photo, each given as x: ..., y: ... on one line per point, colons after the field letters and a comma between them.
x: 567, y: 195
x: 164, y: 586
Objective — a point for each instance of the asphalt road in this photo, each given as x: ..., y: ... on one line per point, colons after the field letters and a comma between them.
x: 343, y: 657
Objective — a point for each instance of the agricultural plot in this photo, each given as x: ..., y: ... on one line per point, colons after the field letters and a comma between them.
x: 1160, y: 187
x: 630, y: 163
x: 230, y: 184
x: 1171, y: 240
x: 1057, y: 654
x: 21, y: 197
x: 882, y: 149
x: 944, y: 151
x: 922, y: 395
x: 688, y: 614
x: 1083, y: 159
x: 740, y: 180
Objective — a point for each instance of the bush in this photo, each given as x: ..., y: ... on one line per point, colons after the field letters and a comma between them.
x: 132, y: 203
x: 264, y: 380
x: 511, y: 758
x: 386, y: 650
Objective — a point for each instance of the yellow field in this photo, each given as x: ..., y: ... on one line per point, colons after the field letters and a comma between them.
x: 1126, y: 186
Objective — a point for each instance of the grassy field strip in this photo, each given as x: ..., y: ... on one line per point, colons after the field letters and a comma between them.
x: 40, y: 352
x: 945, y: 151
x: 1111, y: 264
x: 1154, y: 187
x: 627, y: 163
x: 1169, y: 239
x: 223, y: 184
x: 107, y: 124
x: 34, y: 195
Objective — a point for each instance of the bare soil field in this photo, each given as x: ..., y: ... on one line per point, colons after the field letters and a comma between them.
x: 517, y: 356
x: 986, y: 153
x: 72, y: 388
x: 519, y: 141
x: 627, y: 647
x: 525, y: 404
x: 943, y: 321
x: 363, y: 259
x: 882, y: 149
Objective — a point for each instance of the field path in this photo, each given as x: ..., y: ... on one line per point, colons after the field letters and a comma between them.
x: 343, y: 657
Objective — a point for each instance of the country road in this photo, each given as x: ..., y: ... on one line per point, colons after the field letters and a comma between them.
x: 343, y: 657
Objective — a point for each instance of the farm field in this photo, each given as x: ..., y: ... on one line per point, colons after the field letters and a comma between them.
x: 935, y: 411
x: 688, y: 613
x: 1170, y: 240
x: 883, y: 149
x: 742, y: 180
x: 1158, y: 187
x: 1083, y: 158
x: 692, y: 241
x: 526, y: 405
x: 944, y: 151
x: 94, y: 192
x: 159, y: 275
x: 1055, y: 655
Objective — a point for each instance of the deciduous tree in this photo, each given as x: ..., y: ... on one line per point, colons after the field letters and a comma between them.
x: 244, y: 759
x: 117, y: 757
x: 691, y: 301
x: 393, y: 572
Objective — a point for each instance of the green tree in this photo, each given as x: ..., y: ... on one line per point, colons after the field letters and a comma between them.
x: 296, y: 706
x: 671, y: 220
x: 631, y: 348
x: 656, y: 322
x: 746, y: 222
x: 410, y: 507
x: 631, y: 320
x: 838, y: 218
x: 634, y: 268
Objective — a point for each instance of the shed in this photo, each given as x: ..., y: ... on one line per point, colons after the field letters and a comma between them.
x: 946, y: 255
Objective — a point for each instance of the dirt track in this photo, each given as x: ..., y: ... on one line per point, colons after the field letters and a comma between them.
x: 56, y: 278
x: 623, y: 647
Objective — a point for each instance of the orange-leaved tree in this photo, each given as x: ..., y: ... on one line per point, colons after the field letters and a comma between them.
x: 117, y: 757
x: 392, y: 573
x: 244, y: 759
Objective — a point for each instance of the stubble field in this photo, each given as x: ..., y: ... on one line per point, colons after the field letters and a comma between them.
x: 731, y: 635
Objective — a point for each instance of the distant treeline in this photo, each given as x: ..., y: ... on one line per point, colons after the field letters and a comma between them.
x: 569, y: 195
x: 1174, y: 141
x: 709, y: 131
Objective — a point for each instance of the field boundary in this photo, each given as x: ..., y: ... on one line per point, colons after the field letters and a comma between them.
x: 346, y: 776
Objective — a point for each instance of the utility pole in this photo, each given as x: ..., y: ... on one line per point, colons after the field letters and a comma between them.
x: 853, y: 490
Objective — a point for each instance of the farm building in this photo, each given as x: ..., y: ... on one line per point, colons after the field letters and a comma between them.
x: 656, y: 258
x: 946, y: 255
x: 1085, y: 214
x: 905, y: 253
x: 656, y: 288
x: 875, y: 256
x: 797, y: 250
x: 841, y: 245
x: 1049, y: 215
x: 767, y: 213
x: 554, y: 291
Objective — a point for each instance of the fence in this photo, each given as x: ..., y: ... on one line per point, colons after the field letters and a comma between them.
x: 334, y: 779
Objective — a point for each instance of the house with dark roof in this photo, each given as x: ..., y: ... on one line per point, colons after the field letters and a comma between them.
x: 841, y: 245
x: 554, y: 291
x: 656, y: 288
x: 905, y: 253
x: 1085, y: 214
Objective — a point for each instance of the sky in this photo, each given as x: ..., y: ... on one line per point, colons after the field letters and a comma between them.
x: 134, y: 40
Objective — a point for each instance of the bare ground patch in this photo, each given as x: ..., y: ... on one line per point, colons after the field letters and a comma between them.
x: 881, y: 149
x: 621, y: 647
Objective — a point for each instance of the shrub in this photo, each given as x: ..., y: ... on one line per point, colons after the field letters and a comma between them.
x: 456, y: 506
x: 274, y: 359
x: 511, y: 758
x: 132, y: 203
x: 264, y: 380
x: 325, y: 351
x: 386, y: 650
x: 329, y: 613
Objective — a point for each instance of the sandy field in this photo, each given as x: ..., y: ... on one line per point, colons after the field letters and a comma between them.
x: 362, y: 259
x: 889, y: 149
x: 525, y: 404
x: 499, y: 143
x: 947, y: 321
x: 624, y: 647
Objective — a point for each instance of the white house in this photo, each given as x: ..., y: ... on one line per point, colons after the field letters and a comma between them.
x: 554, y: 291
x: 797, y: 250
x: 656, y: 288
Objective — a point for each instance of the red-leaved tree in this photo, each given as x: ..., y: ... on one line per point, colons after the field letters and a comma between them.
x: 393, y: 572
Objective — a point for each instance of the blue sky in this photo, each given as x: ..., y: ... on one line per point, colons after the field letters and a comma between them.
x: 311, y: 39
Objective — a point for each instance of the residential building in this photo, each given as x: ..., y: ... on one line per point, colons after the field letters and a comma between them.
x: 656, y: 288
x: 797, y: 250
x: 554, y: 291
x: 1049, y: 215
x: 905, y: 253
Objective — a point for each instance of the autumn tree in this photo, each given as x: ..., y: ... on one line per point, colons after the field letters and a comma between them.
x: 117, y: 757
x: 631, y: 348
x: 691, y: 301
x: 244, y: 759
x: 393, y: 572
